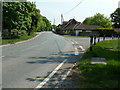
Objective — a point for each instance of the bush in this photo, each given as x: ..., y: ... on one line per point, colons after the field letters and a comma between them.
x: 23, y: 32
x: 107, y: 32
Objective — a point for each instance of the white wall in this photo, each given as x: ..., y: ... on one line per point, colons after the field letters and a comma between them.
x: 77, y: 32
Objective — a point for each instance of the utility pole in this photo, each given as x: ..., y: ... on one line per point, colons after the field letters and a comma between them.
x: 54, y: 21
x: 62, y: 19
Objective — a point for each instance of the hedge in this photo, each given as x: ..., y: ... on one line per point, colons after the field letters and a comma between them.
x: 107, y: 32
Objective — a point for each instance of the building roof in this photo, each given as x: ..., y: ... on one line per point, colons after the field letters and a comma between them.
x: 72, y: 24
x: 86, y: 27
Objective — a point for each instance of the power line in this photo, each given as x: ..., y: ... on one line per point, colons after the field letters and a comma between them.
x: 74, y: 7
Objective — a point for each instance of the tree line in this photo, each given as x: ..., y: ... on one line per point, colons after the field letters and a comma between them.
x: 23, y: 18
x: 99, y: 19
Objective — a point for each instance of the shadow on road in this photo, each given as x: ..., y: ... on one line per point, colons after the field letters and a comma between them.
x: 55, y: 58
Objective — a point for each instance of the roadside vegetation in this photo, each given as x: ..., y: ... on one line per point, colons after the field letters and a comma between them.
x: 14, y: 40
x: 21, y: 20
x: 100, y: 75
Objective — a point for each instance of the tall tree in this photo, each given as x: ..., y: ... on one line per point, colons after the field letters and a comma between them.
x: 48, y: 24
x: 23, y: 16
x: 115, y: 16
x: 98, y: 19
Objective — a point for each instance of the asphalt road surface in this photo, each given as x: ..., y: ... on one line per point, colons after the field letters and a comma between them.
x: 41, y: 62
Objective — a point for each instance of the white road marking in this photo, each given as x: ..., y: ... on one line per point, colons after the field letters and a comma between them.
x: 76, y: 51
x: 64, y: 76
x: 82, y: 48
x: 76, y: 42
x: 72, y: 42
x: 48, y: 78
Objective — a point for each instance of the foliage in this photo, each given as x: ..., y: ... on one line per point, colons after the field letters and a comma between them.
x: 107, y: 31
x: 47, y: 24
x: 117, y: 31
x: 98, y: 19
x: 115, y: 16
x: 14, y: 40
x: 23, y: 16
x: 98, y: 75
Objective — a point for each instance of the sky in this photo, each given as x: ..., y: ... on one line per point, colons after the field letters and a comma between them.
x: 52, y: 9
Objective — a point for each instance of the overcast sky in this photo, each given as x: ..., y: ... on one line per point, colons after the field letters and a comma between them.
x: 53, y: 9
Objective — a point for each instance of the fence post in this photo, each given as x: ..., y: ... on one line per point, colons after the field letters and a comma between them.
x: 103, y: 37
x: 94, y: 39
x: 91, y: 41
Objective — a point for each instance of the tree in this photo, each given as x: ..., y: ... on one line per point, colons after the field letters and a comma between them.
x: 115, y: 16
x: 98, y: 19
x: 48, y: 24
x: 23, y: 16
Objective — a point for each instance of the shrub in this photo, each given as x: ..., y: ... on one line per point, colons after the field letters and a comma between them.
x: 107, y: 32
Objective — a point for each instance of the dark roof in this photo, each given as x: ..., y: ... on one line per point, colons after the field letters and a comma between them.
x: 84, y: 26
x: 72, y: 24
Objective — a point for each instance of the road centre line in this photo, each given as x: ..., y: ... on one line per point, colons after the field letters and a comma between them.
x: 48, y: 78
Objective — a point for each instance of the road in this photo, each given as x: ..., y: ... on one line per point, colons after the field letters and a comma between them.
x: 28, y: 64
x: 43, y: 62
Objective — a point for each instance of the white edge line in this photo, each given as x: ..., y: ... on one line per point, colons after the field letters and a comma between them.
x: 48, y: 78
x: 64, y: 77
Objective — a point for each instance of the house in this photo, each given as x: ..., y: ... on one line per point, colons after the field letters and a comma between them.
x: 78, y: 28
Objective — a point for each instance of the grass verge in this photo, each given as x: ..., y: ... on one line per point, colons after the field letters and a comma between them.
x: 99, y: 75
x: 12, y: 41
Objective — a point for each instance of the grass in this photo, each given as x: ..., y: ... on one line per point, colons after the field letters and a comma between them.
x: 99, y: 75
x: 12, y: 41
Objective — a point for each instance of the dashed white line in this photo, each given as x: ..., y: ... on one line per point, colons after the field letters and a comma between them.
x: 48, y: 78
x: 76, y: 42
x: 76, y: 51
x: 82, y: 48
x: 72, y: 42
